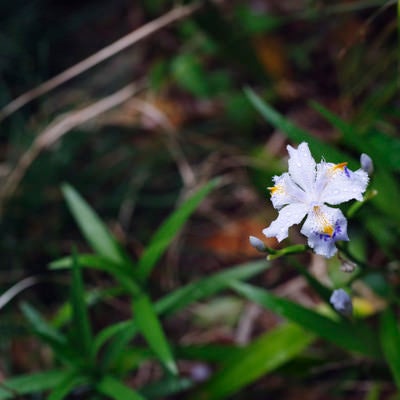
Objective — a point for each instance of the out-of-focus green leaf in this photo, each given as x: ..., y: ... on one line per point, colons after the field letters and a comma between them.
x: 64, y: 312
x: 319, y: 149
x: 81, y: 329
x: 190, y: 74
x: 354, y: 337
x: 383, y: 149
x: 115, y: 389
x: 166, y: 387
x: 149, y: 325
x: 49, y: 335
x: 390, y: 341
x: 92, y: 228
x: 253, y: 22
x: 66, y: 385
x: 323, y: 291
x: 99, y: 262
x: 385, y: 153
x: 169, y: 228
x: 264, y: 355
x: 40, y: 325
x: 233, y: 45
x: 175, y: 301
x: 208, y: 352
x: 32, y: 383
x: 86, y: 260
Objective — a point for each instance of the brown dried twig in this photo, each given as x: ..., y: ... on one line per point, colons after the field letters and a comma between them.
x: 144, y: 31
x: 58, y: 129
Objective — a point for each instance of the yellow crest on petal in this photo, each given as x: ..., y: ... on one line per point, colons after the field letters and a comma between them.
x: 326, y: 226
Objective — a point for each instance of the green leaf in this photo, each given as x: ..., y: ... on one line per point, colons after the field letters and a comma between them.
x: 149, y: 325
x: 167, y: 386
x: 318, y: 148
x: 92, y: 228
x: 390, y: 341
x: 195, y: 291
x: 263, y: 356
x: 170, y: 227
x: 114, y: 389
x: 40, y: 325
x: 85, y: 260
x: 212, y: 353
x: 175, y: 301
x: 31, y: 383
x: 323, y: 291
x: 81, y: 326
x: 92, y: 297
x: 95, y: 261
x: 355, y: 337
x: 383, y: 149
x: 190, y: 74
x: 69, y: 383
x: 49, y: 335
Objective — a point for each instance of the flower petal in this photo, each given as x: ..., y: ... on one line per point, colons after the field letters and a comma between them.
x: 288, y: 216
x: 338, y: 184
x: 324, y: 226
x: 285, y: 191
x: 302, y: 166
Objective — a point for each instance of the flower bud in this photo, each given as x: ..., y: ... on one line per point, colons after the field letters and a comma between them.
x: 257, y: 244
x: 341, y: 302
x: 366, y: 163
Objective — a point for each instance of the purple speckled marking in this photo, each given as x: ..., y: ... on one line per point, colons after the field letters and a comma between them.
x: 347, y: 172
x: 325, y: 237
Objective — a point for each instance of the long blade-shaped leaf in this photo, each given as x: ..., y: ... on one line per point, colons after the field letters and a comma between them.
x: 264, y: 355
x: 317, y: 147
x: 170, y: 227
x: 176, y: 301
x: 99, y: 262
x: 92, y: 228
x: 50, y: 335
x: 116, y: 390
x: 149, y: 325
x: 81, y: 324
x: 70, y: 382
x: 352, y: 337
x: 32, y: 383
x: 390, y: 340
x: 206, y: 287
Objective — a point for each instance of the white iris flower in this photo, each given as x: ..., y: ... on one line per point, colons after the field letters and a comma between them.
x: 306, y: 190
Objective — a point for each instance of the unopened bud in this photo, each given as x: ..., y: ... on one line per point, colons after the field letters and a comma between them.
x: 348, y: 266
x: 257, y: 244
x: 341, y: 302
x: 366, y: 163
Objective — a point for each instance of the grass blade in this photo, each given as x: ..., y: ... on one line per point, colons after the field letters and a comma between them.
x: 317, y: 147
x: 170, y: 227
x: 49, y: 335
x: 264, y: 355
x: 80, y: 319
x: 69, y: 383
x: 33, y: 383
x: 149, y: 325
x: 350, y: 336
x: 92, y: 228
x: 114, y: 389
x: 390, y: 341
x: 176, y: 301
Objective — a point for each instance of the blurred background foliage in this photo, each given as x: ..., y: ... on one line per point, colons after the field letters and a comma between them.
x: 329, y: 67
